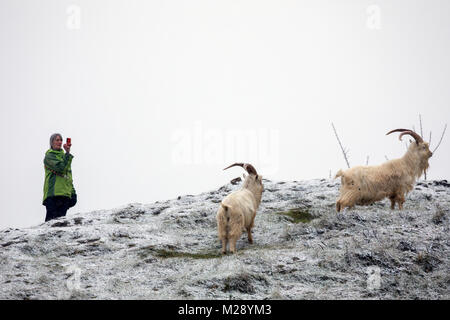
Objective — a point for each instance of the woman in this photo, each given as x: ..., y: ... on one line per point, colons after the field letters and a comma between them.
x: 59, y: 193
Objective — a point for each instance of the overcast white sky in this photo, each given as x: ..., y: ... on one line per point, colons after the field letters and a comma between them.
x: 159, y: 96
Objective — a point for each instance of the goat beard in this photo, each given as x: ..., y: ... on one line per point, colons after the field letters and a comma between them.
x: 424, y: 167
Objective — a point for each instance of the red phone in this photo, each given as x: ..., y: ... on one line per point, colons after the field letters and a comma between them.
x: 69, y: 141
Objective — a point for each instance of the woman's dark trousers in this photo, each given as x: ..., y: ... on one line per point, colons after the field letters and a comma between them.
x: 57, y: 206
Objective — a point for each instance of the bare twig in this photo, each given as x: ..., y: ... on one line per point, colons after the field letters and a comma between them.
x: 421, y: 134
x: 440, y: 140
x: 367, y: 161
x: 421, y: 129
x: 429, y: 144
x: 429, y: 141
x: 344, y: 152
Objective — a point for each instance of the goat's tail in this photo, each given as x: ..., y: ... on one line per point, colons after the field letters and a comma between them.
x: 226, y: 209
x: 224, y: 221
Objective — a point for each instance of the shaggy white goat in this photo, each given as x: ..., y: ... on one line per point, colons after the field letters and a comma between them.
x: 364, y: 185
x: 238, y: 210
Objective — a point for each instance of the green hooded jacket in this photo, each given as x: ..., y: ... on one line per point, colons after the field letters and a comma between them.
x: 58, y: 174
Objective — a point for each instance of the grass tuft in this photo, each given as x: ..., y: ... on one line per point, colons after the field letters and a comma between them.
x: 167, y: 254
x: 298, y: 215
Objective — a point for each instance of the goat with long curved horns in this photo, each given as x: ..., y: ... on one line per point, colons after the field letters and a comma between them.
x: 363, y: 185
x: 237, y: 211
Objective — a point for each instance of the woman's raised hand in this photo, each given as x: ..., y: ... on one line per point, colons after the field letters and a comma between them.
x: 67, y: 147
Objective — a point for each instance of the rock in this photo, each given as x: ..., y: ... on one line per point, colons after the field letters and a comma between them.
x: 7, y: 244
x: 157, y: 211
x: 443, y: 183
x: 406, y: 246
x: 236, y: 180
x: 243, y: 283
x: 63, y: 223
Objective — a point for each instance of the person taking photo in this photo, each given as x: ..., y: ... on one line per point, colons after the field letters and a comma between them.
x: 59, y: 192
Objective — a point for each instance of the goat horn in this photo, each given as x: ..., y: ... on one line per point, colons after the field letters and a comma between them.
x: 407, y: 131
x: 247, y: 166
x: 397, y: 130
x: 414, y: 135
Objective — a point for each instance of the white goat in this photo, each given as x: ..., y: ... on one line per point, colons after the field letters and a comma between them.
x: 363, y: 185
x: 238, y: 210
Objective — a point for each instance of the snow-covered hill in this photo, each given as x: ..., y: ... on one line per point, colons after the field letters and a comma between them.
x: 302, y: 249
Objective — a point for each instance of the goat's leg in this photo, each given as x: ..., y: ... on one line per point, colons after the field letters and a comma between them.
x: 397, y: 198
x: 338, y: 206
x: 347, y: 200
x: 233, y: 241
x: 400, y: 200
x: 224, y: 245
x: 249, y: 234
x: 249, y: 229
x: 393, y: 199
